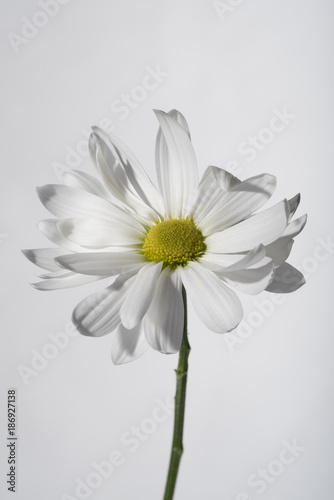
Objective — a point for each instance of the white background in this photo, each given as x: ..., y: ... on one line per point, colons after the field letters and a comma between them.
x: 226, y: 73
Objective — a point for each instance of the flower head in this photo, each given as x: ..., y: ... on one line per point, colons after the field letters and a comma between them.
x: 174, y: 242
x: 202, y: 235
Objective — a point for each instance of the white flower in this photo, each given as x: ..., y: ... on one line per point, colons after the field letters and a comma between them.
x: 200, y: 235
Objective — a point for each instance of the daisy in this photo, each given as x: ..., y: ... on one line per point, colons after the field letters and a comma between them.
x: 201, y: 236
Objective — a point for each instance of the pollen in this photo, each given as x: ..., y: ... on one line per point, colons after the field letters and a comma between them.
x: 174, y: 241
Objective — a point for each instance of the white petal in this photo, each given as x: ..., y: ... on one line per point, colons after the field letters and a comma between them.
x: 251, y: 281
x: 224, y: 179
x: 255, y: 256
x: 128, y: 345
x: 140, y: 295
x: 217, y: 306
x: 176, y: 166
x: 163, y: 323
x: 85, y: 182
x: 98, y: 314
x: 293, y: 205
x: 102, y: 263
x: 61, y: 273
x: 174, y: 113
x: 287, y: 279
x: 44, y: 257
x: 232, y: 262
x: 65, y: 201
x: 50, y: 230
x: 263, y: 227
x: 119, y: 185
x: 237, y: 204
x: 279, y: 250
x: 124, y: 167
x: 214, y: 184
x: 209, y: 193
x: 295, y: 227
x: 215, y: 261
x: 67, y: 280
x: 98, y: 233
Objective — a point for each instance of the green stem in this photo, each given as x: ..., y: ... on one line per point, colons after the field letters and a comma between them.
x: 180, y: 398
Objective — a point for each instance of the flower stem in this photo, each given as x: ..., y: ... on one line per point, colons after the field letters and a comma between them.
x: 180, y: 398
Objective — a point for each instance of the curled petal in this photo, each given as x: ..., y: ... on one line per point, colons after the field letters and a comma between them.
x: 99, y: 233
x: 279, y: 250
x: 102, y: 263
x: 85, y: 182
x: 252, y: 280
x: 224, y: 179
x: 49, y: 227
x: 44, y: 257
x: 293, y: 205
x: 233, y: 262
x: 287, y: 279
x: 128, y: 345
x: 66, y: 201
x: 295, y: 227
x: 123, y: 174
x: 66, y: 280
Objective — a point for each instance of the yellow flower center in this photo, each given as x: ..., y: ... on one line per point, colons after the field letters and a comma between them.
x: 174, y: 241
